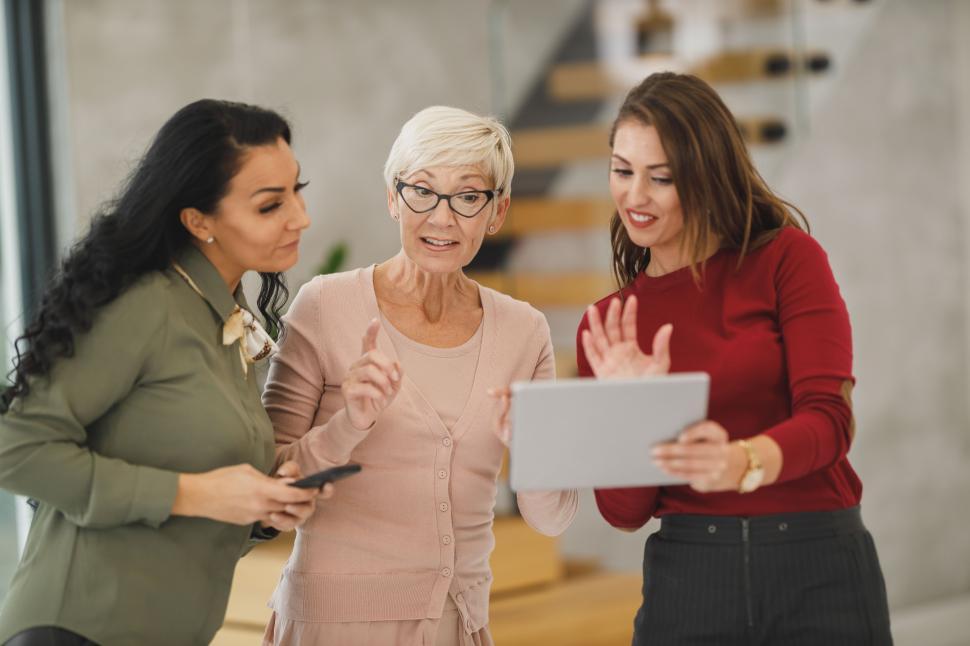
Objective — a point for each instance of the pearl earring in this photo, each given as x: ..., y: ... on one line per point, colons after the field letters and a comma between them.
x: 210, y: 240
x: 491, y: 229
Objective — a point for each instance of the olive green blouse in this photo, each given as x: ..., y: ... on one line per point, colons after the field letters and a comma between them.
x: 150, y: 392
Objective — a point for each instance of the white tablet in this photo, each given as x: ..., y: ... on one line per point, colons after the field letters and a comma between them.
x: 575, y: 433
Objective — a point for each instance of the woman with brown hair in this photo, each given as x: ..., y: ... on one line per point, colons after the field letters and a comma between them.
x: 764, y: 543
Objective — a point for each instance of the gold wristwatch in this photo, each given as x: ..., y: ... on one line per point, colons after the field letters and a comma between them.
x: 755, y: 472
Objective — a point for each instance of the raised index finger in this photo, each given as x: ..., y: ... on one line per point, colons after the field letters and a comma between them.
x: 369, y: 341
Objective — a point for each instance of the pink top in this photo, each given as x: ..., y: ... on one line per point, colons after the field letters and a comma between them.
x: 418, y: 518
x: 424, y: 365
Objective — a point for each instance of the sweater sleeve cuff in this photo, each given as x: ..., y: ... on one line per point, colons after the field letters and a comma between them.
x: 548, y: 512
x: 798, y: 450
x: 153, y: 497
x: 335, y: 440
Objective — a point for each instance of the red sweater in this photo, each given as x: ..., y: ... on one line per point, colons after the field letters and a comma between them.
x: 774, y: 336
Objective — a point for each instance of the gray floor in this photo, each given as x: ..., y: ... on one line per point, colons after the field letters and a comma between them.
x: 941, y: 623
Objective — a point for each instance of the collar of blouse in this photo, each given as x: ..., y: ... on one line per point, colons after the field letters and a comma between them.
x: 239, y: 324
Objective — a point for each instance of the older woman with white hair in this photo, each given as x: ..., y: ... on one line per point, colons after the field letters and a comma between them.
x: 401, y: 556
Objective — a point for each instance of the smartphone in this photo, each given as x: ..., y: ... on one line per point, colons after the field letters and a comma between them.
x: 321, y: 478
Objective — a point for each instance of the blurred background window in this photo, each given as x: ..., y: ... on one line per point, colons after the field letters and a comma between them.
x: 27, y: 229
x: 10, y: 302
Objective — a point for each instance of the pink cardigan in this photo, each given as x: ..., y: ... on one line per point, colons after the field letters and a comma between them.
x: 418, y: 518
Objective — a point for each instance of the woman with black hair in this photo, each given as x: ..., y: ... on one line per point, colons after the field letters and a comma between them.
x: 134, y: 418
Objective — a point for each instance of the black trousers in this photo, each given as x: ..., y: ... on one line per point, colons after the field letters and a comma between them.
x: 48, y: 636
x: 808, y: 578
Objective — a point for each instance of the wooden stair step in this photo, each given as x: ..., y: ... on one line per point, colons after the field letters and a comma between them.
x: 542, y: 215
x: 745, y: 65
x: 538, y: 148
x: 586, y: 80
x: 591, y: 80
x: 756, y: 8
x: 595, y: 610
x: 547, y: 147
x: 576, y: 289
x: 763, y: 130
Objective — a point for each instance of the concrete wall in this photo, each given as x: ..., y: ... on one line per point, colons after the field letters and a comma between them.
x: 347, y: 73
x: 882, y: 179
x: 879, y: 174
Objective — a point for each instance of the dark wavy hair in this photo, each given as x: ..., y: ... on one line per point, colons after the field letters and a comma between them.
x: 722, y: 194
x: 189, y: 163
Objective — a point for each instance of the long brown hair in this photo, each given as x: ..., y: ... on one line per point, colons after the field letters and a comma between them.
x: 722, y: 195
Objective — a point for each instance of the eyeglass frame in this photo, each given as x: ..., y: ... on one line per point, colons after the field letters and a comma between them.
x: 490, y: 194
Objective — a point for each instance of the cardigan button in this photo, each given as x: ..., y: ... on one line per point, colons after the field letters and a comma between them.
x: 446, y: 539
x: 442, y: 474
x: 446, y: 572
x: 443, y: 506
x: 711, y: 529
x: 446, y: 441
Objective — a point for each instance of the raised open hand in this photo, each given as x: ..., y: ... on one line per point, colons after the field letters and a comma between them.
x: 612, y: 349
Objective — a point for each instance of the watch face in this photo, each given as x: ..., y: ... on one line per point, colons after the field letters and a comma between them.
x: 752, y: 479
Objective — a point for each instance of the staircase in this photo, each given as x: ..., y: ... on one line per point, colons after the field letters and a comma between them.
x: 762, y: 56
x: 561, y: 206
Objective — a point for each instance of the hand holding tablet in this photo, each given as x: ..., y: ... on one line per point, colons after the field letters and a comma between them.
x: 590, y: 433
x: 585, y: 433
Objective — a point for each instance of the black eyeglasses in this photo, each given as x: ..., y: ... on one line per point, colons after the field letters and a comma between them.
x: 422, y: 199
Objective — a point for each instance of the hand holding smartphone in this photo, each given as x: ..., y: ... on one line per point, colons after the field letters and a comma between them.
x: 317, y: 480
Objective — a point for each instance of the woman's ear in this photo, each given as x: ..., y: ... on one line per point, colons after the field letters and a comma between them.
x: 197, y: 224
x: 501, y: 210
x: 392, y: 205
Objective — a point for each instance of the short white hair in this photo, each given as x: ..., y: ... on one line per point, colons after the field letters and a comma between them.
x: 445, y: 136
